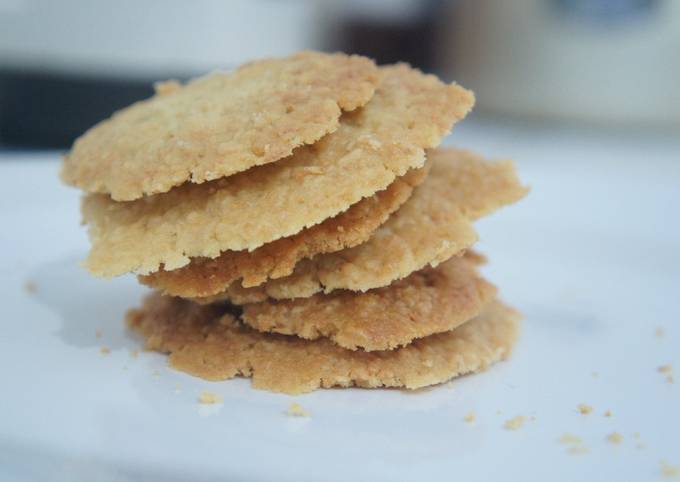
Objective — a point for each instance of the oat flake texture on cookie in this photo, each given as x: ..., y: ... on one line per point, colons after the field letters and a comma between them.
x: 220, y: 124
x: 408, y: 113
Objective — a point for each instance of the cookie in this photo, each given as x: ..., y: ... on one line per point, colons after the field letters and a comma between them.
x: 208, y: 343
x: 433, y: 225
x: 220, y: 124
x: 205, y: 276
x: 372, y: 146
x: 429, y: 301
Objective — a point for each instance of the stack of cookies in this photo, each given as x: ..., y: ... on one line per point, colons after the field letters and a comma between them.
x: 299, y: 224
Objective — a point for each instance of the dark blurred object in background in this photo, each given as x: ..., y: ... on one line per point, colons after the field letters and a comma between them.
x: 388, y: 31
x: 40, y: 109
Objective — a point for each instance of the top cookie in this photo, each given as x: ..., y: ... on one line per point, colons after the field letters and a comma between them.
x: 410, y: 112
x: 219, y: 125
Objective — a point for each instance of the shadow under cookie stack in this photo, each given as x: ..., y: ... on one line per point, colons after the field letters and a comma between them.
x: 300, y: 225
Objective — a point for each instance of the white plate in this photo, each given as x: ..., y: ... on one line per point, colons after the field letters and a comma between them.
x: 592, y: 258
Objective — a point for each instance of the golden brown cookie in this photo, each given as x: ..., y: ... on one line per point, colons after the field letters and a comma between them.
x: 429, y: 301
x: 433, y: 225
x: 206, y: 342
x: 205, y: 276
x: 373, y: 146
x: 220, y: 124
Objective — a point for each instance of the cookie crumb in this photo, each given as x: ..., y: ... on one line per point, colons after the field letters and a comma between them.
x: 608, y: 413
x: 585, y: 409
x: 668, y: 371
x: 209, y: 398
x: 30, y: 287
x: 134, y: 353
x: 105, y: 350
x: 514, y: 423
x: 156, y: 374
x: 297, y: 410
x: 575, y: 443
x: 470, y: 417
x: 98, y: 334
x: 660, y: 332
x: 595, y: 375
x: 615, y: 438
x: 178, y: 388
x: 668, y: 470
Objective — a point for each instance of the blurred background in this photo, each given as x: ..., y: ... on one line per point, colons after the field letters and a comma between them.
x: 598, y: 63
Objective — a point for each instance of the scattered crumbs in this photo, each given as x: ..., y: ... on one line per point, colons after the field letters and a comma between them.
x: 30, y: 287
x: 670, y: 379
x: 615, y: 438
x: 636, y: 435
x: 470, y: 417
x: 209, y: 398
x: 178, y: 388
x: 105, y: 350
x: 134, y: 353
x: 595, y: 375
x: 296, y: 410
x: 660, y: 332
x: 668, y: 470
x: 514, y: 423
x: 608, y: 413
x: 156, y: 374
x: 98, y: 334
x: 585, y: 409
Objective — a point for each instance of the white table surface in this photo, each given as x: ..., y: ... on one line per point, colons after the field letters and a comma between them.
x: 592, y: 258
